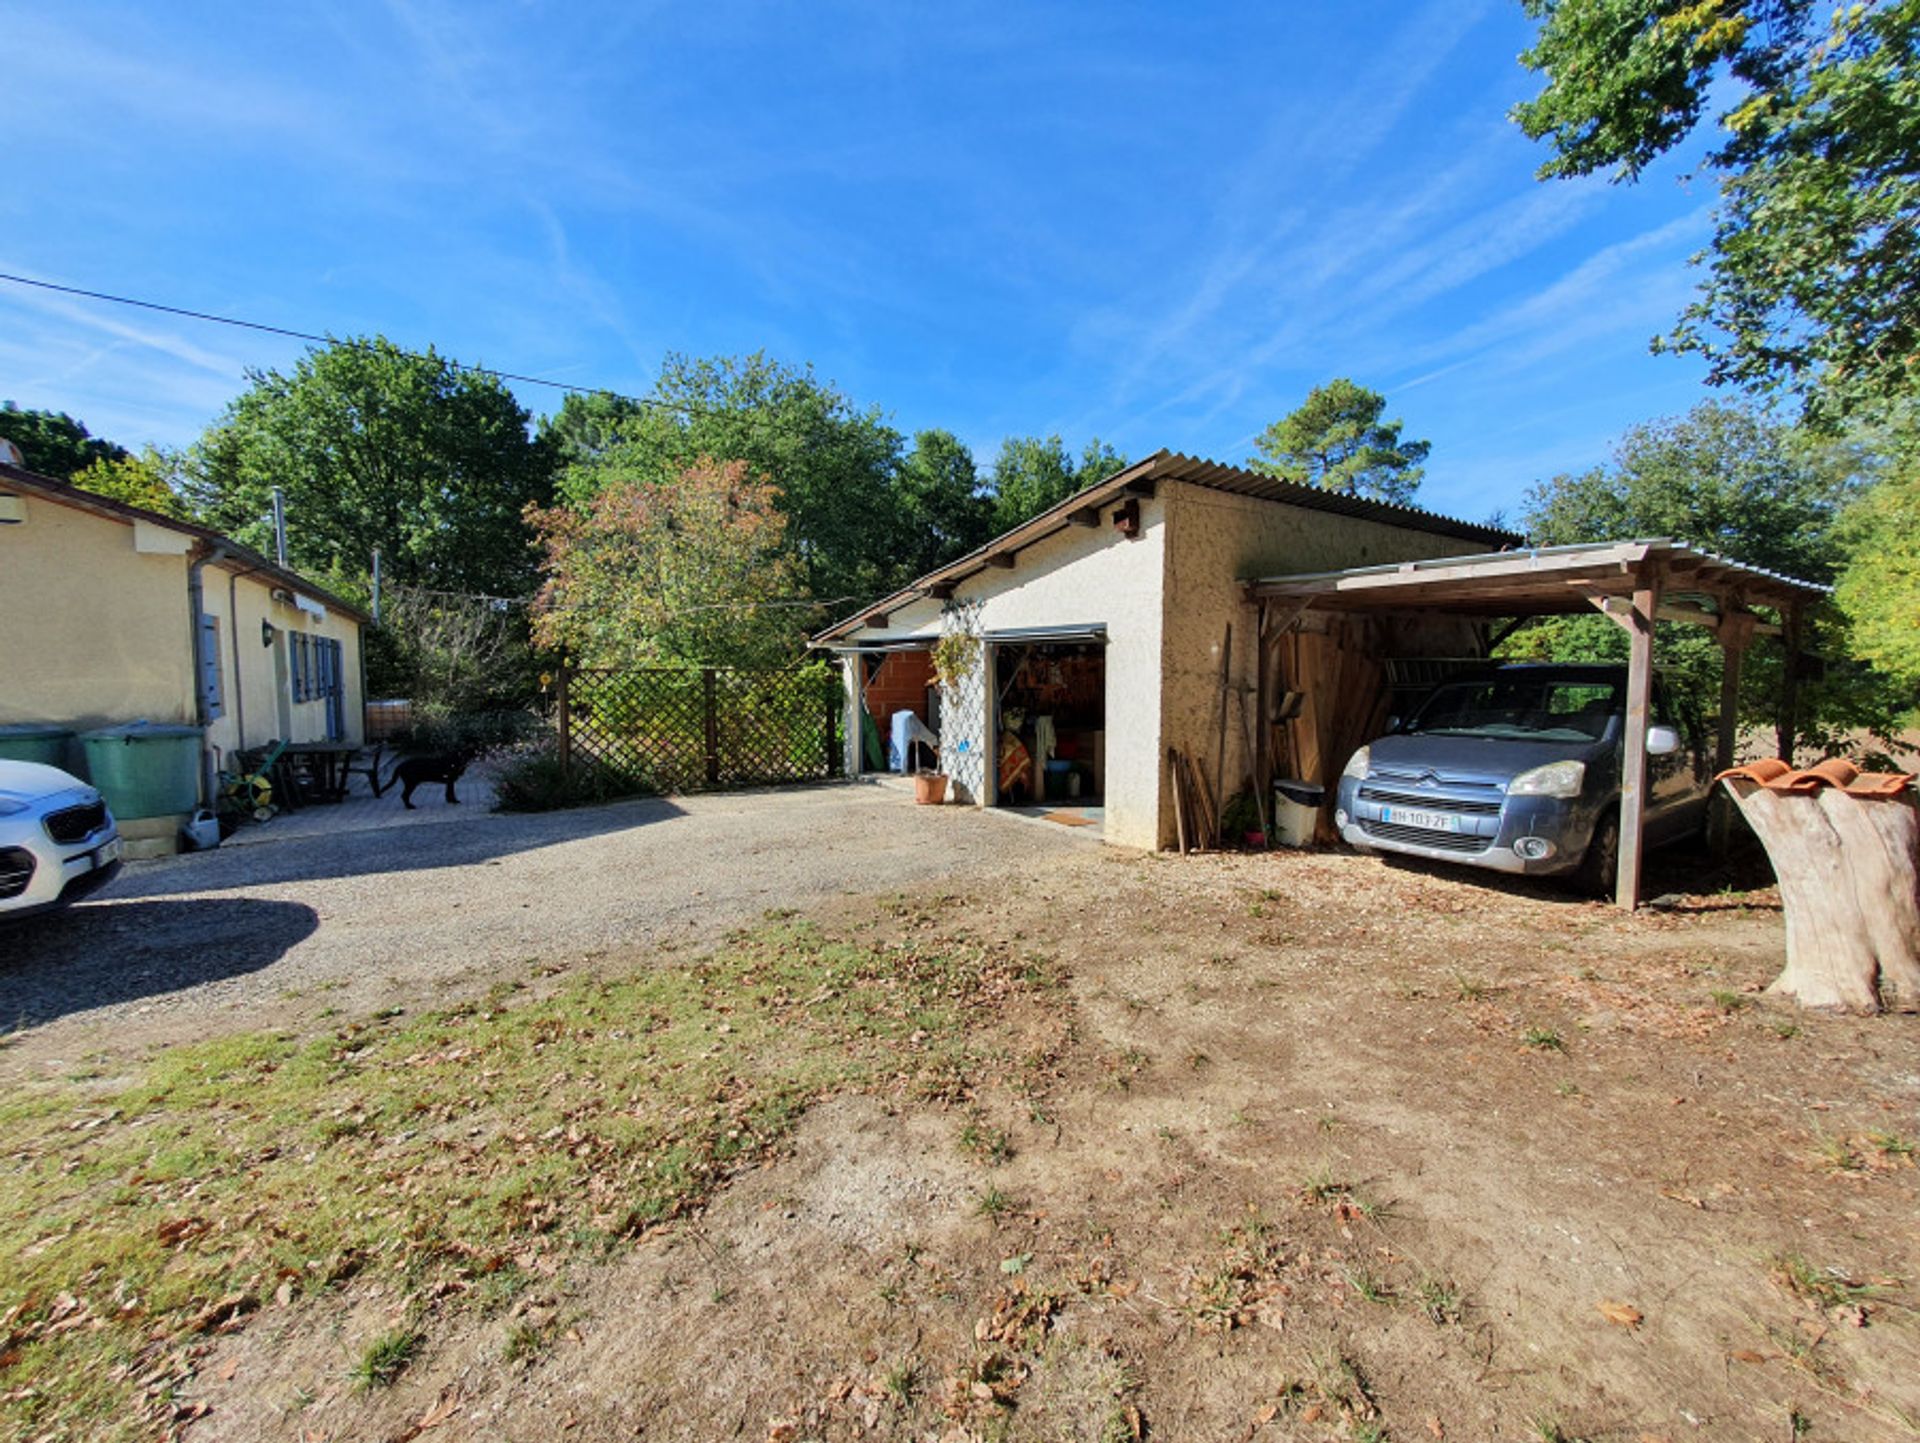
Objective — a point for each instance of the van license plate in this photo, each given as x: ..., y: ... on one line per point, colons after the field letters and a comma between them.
x: 106, y: 856
x: 1410, y: 817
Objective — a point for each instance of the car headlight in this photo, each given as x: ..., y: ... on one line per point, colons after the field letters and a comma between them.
x: 1555, y: 779
x: 1357, y: 763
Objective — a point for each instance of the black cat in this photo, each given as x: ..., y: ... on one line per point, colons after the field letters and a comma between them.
x: 411, y: 772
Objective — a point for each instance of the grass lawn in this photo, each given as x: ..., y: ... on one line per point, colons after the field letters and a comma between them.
x: 457, y: 1156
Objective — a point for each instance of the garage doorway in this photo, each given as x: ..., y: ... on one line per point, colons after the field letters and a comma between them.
x: 1050, y: 727
x: 899, y: 711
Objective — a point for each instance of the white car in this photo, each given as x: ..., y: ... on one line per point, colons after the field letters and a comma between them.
x: 58, y: 841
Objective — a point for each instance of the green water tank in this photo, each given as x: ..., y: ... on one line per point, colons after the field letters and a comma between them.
x: 36, y: 742
x: 144, y: 769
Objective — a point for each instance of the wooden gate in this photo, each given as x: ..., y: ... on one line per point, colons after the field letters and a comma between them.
x: 685, y: 729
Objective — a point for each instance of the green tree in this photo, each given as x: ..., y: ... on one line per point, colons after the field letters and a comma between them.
x: 1728, y: 479
x: 53, y: 443
x: 1811, y: 282
x: 1880, y: 589
x: 833, y: 462
x: 1032, y: 473
x: 1337, y: 440
x: 154, y: 480
x: 380, y: 447
x: 1725, y: 477
x: 942, y: 511
x: 589, y: 424
x: 692, y: 570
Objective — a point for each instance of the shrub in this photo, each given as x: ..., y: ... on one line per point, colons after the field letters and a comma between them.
x: 479, y: 733
x: 533, y: 780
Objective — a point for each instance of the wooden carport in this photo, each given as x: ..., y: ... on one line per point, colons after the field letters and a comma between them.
x: 1635, y: 583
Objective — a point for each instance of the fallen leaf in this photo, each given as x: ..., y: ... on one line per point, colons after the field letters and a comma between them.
x: 229, y: 1368
x: 1625, y: 1314
x: 1747, y: 1355
x: 1434, y: 1427
x: 440, y: 1412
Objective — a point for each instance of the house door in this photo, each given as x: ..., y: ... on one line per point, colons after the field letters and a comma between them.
x: 333, y: 688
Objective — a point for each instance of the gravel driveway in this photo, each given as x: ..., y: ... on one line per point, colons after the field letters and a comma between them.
x: 415, y: 915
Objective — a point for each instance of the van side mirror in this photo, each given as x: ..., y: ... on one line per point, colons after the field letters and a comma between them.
x: 1393, y: 725
x: 1662, y: 741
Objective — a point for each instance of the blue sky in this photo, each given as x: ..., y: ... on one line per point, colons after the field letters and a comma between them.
x: 1161, y: 224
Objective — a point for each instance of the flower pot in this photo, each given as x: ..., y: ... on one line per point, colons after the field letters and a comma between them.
x: 929, y: 788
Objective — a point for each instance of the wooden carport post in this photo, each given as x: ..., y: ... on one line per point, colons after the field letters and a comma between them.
x: 1633, y: 766
x: 1787, y: 725
x: 1734, y: 632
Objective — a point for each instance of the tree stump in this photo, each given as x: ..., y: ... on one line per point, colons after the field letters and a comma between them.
x: 1848, y: 864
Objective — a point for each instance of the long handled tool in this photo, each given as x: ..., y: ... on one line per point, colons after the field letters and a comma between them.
x: 1219, y: 798
x: 1259, y: 802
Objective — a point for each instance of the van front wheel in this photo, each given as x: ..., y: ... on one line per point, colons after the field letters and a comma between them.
x: 1600, y: 867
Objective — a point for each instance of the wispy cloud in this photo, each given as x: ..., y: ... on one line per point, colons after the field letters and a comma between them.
x: 101, y: 318
x: 1279, y: 224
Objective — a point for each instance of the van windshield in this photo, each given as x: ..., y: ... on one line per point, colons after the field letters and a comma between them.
x: 1519, y: 708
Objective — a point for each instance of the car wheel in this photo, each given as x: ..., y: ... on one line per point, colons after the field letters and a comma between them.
x: 1599, y: 869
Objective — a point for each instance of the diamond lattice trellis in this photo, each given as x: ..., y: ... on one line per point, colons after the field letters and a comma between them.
x: 693, y: 729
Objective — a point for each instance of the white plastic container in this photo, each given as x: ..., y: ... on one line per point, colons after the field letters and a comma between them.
x: 1296, y: 809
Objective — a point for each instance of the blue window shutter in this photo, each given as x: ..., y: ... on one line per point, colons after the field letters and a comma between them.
x: 213, y: 702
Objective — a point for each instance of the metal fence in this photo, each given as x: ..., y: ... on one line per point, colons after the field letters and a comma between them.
x: 683, y: 729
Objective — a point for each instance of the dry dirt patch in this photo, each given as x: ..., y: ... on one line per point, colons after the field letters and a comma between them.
x: 1300, y: 1147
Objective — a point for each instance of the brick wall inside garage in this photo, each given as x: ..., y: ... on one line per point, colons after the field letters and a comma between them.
x: 899, y: 684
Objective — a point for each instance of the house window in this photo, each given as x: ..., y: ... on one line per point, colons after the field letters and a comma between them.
x: 298, y: 662
x: 213, y: 696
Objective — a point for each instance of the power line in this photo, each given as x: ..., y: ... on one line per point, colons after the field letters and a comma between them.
x: 337, y: 341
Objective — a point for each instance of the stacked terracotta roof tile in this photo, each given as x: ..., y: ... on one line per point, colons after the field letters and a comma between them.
x: 1777, y: 776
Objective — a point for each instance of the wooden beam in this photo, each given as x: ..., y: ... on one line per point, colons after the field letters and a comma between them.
x: 1633, y: 766
x: 879, y: 619
x: 1139, y: 488
x: 942, y: 590
x: 1087, y: 516
x: 1786, y: 725
x: 1001, y: 560
x: 1617, y: 609
x: 1736, y: 631
x: 1728, y: 734
x: 1715, y: 620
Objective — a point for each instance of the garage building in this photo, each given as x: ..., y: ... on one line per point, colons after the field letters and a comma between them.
x: 1099, y: 628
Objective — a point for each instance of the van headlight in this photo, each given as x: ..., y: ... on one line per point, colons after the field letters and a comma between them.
x: 1357, y: 763
x: 1555, y: 779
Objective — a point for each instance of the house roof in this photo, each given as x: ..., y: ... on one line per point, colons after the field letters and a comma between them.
x: 1545, y: 580
x: 249, y: 560
x: 1139, y: 479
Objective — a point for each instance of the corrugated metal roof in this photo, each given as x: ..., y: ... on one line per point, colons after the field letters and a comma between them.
x: 1196, y: 471
x: 1541, y: 577
x: 1242, y: 482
